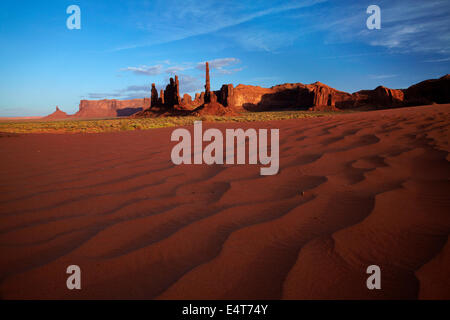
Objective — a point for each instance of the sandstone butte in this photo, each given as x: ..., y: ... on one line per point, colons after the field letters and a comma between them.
x: 230, y: 100
x: 57, y: 114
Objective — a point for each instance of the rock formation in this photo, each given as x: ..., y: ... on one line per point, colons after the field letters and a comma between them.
x: 325, y: 98
x: 316, y: 96
x: 213, y: 108
x: 225, y: 95
x: 247, y: 97
x: 320, y: 97
x: 57, y: 114
x: 110, y: 108
x: 161, y: 98
x: 154, y: 96
x: 199, y: 98
x: 214, y: 102
x: 207, y: 97
x: 231, y: 100
x: 429, y: 91
x: 379, y: 97
x: 186, y: 101
x: 171, y: 95
x: 177, y: 90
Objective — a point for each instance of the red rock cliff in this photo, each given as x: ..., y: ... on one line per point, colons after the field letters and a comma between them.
x: 429, y: 91
x: 229, y: 99
x: 110, y: 108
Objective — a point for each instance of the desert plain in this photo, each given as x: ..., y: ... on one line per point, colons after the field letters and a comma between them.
x: 353, y: 190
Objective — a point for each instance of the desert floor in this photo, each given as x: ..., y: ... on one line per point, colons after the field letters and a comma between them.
x: 353, y: 190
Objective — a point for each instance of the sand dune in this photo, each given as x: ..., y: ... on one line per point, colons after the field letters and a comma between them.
x: 353, y: 190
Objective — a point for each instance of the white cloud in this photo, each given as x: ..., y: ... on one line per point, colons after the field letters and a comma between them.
x: 175, y: 69
x: 406, y: 26
x: 192, y: 18
x: 145, y: 70
x: 438, y: 60
x: 130, y: 92
x: 97, y: 95
x: 135, y: 88
x: 220, y: 65
x: 382, y: 76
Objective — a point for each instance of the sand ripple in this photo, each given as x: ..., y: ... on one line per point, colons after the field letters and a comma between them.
x: 353, y: 190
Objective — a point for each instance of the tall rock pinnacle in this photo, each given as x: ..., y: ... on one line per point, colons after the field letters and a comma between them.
x: 154, y: 96
x: 161, y: 97
x: 207, y: 85
x: 177, y: 92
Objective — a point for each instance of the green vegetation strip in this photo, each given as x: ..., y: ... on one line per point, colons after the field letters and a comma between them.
x: 126, y: 124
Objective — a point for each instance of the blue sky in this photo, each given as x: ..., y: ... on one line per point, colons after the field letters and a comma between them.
x: 124, y: 46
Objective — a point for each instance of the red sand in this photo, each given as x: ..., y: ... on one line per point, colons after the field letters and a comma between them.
x: 353, y: 190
